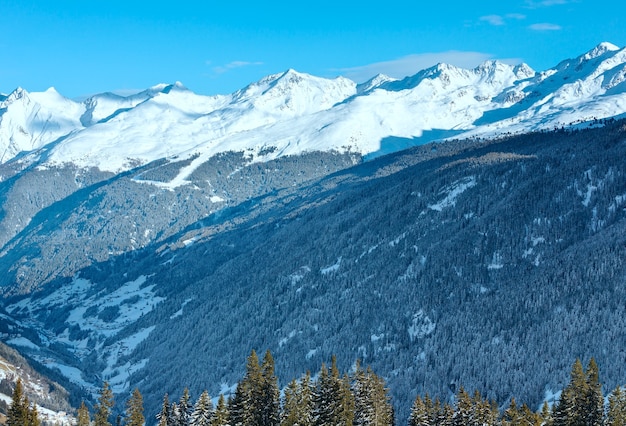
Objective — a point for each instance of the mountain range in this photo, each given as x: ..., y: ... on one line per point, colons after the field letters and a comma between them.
x: 293, y: 113
x: 153, y: 240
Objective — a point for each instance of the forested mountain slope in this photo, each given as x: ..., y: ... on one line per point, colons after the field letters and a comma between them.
x: 491, y: 262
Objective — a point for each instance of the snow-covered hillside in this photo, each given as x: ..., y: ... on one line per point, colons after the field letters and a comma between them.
x: 51, y: 399
x: 291, y: 113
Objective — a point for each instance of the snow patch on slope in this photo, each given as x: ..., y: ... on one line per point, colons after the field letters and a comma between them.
x: 452, y: 192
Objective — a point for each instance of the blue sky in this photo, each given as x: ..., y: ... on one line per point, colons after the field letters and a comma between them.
x: 216, y: 47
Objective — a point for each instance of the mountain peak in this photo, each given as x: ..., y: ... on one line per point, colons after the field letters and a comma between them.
x: 607, y: 46
x: 523, y: 71
x: 600, y: 50
x: 374, y: 83
x: 15, y: 95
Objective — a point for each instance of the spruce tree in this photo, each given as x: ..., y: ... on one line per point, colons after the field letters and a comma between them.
x: 33, y: 416
x: 594, y: 401
x: 511, y: 416
x: 419, y: 415
x: 269, y: 404
x: 220, y: 417
x: 291, y: 405
x: 174, y: 417
x: 185, y: 408
x: 17, y: 414
x: 305, y: 400
x: 163, y: 415
x: 104, y: 406
x: 446, y: 415
x: 246, y: 408
x: 546, y: 414
x: 363, y: 409
x: 202, y: 413
x: 326, y: 399
x: 616, y: 412
x: 529, y: 417
x: 82, y: 415
x: 134, y: 410
x: 463, y: 409
x: 376, y: 409
x: 432, y: 408
x: 346, y: 407
x: 298, y: 403
x: 572, y: 405
x: 237, y: 407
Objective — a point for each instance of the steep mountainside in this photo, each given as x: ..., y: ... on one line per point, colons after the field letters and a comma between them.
x: 448, y: 263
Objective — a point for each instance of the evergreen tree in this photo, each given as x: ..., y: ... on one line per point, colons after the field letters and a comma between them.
x: 594, y: 401
x: 182, y: 416
x: 326, y: 399
x: 529, y: 417
x: 220, y: 417
x: 104, y: 406
x: 333, y: 402
x: 616, y: 412
x: 17, y: 414
x: 237, y: 407
x: 305, y: 401
x: 269, y: 404
x: 298, y: 403
x: 511, y: 416
x: 483, y: 411
x: 134, y: 410
x: 363, y: 408
x: 245, y: 409
x: 581, y: 402
x: 446, y: 415
x: 432, y: 408
x: 570, y: 410
x: 163, y: 415
x: 463, y: 409
x: 33, y: 416
x: 202, y: 413
x: 346, y: 407
x: 174, y: 417
x: 82, y: 415
x: 419, y: 414
x: 372, y: 401
x: 291, y: 405
x: 546, y: 414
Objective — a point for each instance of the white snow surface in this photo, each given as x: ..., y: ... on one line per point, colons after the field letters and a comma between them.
x: 296, y: 112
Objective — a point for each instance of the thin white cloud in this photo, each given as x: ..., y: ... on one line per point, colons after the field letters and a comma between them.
x: 498, y: 20
x: 412, y: 64
x: 495, y: 20
x: 221, y: 69
x: 534, y: 4
x: 545, y: 26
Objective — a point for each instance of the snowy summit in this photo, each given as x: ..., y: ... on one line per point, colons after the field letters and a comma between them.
x: 295, y: 112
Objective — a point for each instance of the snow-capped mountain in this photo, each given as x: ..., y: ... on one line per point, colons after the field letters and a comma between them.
x: 294, y: 113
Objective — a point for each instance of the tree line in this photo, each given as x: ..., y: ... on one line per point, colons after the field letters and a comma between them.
x: 581, y: 403
x: 360, y: 398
